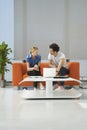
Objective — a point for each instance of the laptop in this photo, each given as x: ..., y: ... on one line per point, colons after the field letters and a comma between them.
x: 49, y: 72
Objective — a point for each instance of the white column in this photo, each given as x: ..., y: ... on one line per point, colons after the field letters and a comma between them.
x: 7, y: 28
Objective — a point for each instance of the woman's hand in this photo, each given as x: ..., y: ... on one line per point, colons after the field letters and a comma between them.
x: 36, y: 67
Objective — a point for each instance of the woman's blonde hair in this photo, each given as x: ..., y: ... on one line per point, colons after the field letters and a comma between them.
x: 33, y: 49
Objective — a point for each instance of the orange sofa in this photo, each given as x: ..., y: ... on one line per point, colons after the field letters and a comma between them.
x: 19, y: 72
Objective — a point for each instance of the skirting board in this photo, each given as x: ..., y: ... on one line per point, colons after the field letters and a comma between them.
x: 57, y: 94
x: 83, y: 86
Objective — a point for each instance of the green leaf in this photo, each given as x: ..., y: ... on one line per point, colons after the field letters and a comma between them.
x: 4, y: 60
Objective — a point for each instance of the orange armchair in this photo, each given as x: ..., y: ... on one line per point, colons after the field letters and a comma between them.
x: 19, y: 72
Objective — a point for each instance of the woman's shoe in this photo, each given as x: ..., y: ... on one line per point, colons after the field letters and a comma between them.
x: 35, y: 89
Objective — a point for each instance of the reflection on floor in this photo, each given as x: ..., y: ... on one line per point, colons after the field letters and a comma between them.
x: 19, y: 114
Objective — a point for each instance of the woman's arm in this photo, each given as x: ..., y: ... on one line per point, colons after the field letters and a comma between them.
x: 37, y: 66
x: 39, y: 63
x: 28, y: 67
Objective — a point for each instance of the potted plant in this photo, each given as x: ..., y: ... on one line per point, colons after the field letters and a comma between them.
x: 4, y: 60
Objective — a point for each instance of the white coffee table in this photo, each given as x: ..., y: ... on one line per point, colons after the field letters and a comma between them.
x: 49, y: 92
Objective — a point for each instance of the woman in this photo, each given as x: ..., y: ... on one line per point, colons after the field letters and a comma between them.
x: 33, y: 65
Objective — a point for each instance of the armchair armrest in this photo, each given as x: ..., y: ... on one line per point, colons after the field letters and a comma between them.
x: 17, y: 74
x: 75, y: 70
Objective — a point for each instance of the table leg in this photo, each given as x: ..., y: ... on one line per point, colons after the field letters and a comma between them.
x: 49, y: 88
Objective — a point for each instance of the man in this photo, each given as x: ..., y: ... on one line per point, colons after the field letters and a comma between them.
x: 57, y: 59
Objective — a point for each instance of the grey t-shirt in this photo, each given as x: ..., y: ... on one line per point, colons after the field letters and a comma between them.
x: 57, y: 59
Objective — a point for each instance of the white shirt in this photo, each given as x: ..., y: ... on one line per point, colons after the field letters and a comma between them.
x: 57, y: 59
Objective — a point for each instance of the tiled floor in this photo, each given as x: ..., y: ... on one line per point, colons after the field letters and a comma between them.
x: 19, y: 114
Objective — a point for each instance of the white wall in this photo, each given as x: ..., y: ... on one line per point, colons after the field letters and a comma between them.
x: 19, y: 25
x: 41, y: 22
x: 7, y: 27
x: 45, y: 24
x: 78, y: 29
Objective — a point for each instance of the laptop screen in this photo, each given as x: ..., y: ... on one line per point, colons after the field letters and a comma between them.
x: 49, y: 72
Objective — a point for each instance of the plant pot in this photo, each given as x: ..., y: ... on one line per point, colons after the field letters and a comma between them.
x: 2, y: 83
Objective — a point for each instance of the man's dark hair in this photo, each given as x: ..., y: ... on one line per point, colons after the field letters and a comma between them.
x: 55, y: 47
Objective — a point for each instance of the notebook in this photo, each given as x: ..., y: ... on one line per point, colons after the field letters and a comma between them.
x: 49, y: 72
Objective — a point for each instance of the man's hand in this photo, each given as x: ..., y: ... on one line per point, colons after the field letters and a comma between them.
x: 51, y: 64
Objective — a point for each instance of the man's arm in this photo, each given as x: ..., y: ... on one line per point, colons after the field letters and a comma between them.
x: 51, y: 64
x: 60, y: 65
